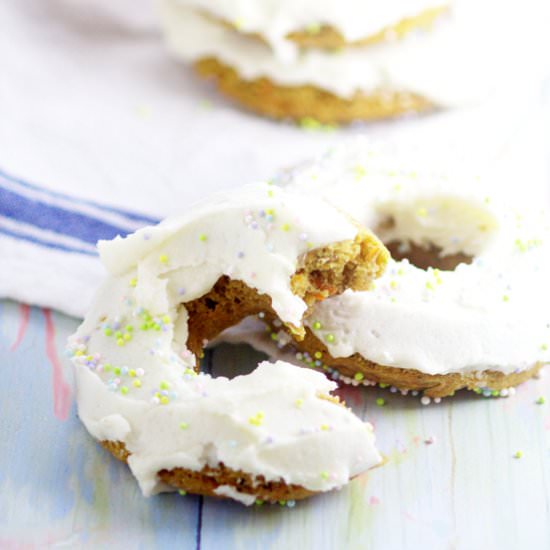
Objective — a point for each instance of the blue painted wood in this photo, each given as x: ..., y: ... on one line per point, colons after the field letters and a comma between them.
x: 465, y: 490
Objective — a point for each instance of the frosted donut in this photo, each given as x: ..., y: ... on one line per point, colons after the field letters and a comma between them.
x: 174, y: 286
x: 440, y: 67
x: 325, y: 23
x: 474, y: 312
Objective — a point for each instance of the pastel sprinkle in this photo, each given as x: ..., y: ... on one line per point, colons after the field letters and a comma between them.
x: 324, y: 475
x: 330, y: 338
x: 124, y: 390
x: 203, y: 238
x: 540, y: 401
x: 316, y: 325
x: 182, y: 492
x: 299, y: 403
x: 184, y: 425
x: 133, y: 282
x: 518, y: 454
x: 163, y: 259
x: 380, y: 401
x: 136, y: 383
x: 359, y: 376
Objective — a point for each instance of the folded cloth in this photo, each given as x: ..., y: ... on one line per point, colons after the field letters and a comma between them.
x: 47, y: 244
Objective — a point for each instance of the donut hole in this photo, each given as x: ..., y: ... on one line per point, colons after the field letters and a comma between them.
x: 438, y: 232
x: 427, y: 256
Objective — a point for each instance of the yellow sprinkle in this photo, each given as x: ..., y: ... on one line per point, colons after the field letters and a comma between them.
x: 299, y: 403
x: 422, y: 212
x: 506, y: 298
x: 359, y: 172
x: 163, y: 259
x: 325, y: 427
x: 120, y: 342
x: 318, y: 355
x: 133, y: 282
x: 202, y: 237
x: 429, y: 285
x: 166, y: 319
x: 184, y: 425
x: 285, y: 227
x: 164, y: 400
x: 132, y: 373
x: 137, y: 383
x: 393, y: 284
x: 127, y: 337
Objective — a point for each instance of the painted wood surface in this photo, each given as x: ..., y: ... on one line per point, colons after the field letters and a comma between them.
x: 450, y: 480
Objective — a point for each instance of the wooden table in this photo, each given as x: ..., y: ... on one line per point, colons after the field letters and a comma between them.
x: 451, y: 478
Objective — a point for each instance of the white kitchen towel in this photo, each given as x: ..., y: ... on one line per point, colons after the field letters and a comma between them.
x: 94, y: 111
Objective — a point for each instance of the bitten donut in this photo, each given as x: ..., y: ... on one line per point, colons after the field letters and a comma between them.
x: 337, y: 62
x: 274, y: 434
x: 464, y: 301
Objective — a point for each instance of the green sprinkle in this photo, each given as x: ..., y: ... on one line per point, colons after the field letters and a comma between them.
x: 383, y: 385
x: 107, y: 367
x: 506, y: 298
x: 324, y: 475
x: 259, y: 502
x: 359, y: 376
x: 184, y: 425
x: 380, y: 401
x: 129, y: 328
x: 108, y: 332
x: 540, y: 401
x: 127, y: 337
x: 182, y: 492
x: 313, y: 28
x: 518, y: 454
x: 203, y: 237
x: 330, y: 338
x: 116, y: 370
x: 316, y: 325
x: 124, y: 390
x: 164, y: 385
x: 118, y: 334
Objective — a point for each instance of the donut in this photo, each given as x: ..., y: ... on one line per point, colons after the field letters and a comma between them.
x: 462, y: 303
x: 295, y: 74
x: 274, y: 434
x: 319, y: 23
x: 327, y: 37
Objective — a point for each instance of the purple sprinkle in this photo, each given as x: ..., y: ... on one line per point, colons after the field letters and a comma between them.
x: 181, y: 291
x: 240, y: 255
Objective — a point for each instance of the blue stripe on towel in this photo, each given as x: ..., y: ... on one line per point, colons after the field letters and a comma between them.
x: 53, y: 218
x: 47, y: 244
x: 145, y: 220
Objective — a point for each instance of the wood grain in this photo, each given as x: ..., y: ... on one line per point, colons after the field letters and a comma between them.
x: 464, y: 491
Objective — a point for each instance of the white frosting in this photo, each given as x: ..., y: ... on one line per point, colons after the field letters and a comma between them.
x: 134, y: 373
x: 275, y: 19
x: 455, y: 63
x: 491, y: 314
